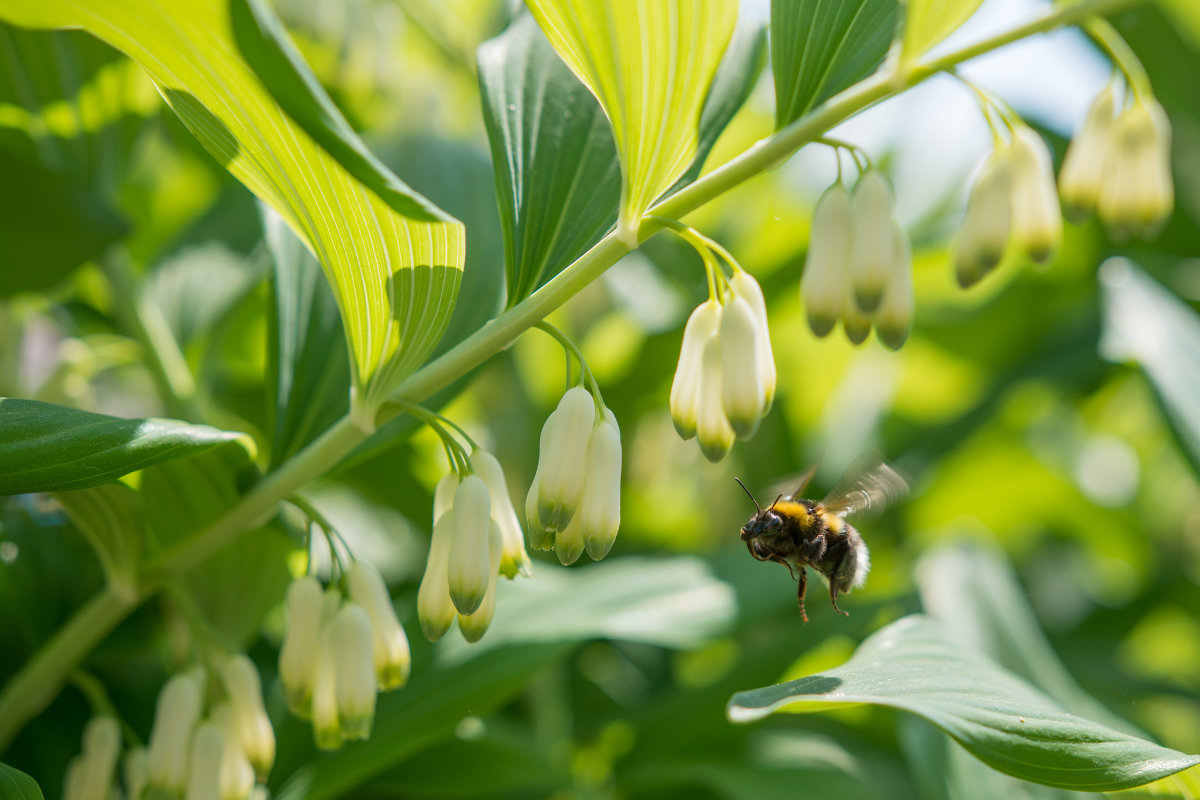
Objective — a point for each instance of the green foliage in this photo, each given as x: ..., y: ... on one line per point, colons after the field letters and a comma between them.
x: 927, y: 22
x: 16, y: 785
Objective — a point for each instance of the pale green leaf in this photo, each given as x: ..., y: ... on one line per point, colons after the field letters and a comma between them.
x: 234, y: 589
x: 16, y: 785
x: 914, y: 665
x: 1146, y: 324
x: 558, y: 179
x: 111, y: 518
x: 818, y: 49
x: 44, y: 447
x: 650, y: 65
x: 226, y: 68
x: 309, y: 368
x: 196, y: 287
x: 927, y: 22
x: 1186, y: 15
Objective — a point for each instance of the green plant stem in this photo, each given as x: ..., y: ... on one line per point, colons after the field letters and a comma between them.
x: 40, y: 679
x: 1122, y: 55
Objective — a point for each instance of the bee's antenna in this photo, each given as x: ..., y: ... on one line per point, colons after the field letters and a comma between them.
x: 748, y: 494
x: 777, y: 499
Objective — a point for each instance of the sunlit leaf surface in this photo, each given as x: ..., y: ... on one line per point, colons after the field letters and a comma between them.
x: 914, y: 665
x: 927, y: 22
x: 650, y: 65
x: 395, y: 260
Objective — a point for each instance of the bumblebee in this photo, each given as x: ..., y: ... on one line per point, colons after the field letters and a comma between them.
x: 801, y: 533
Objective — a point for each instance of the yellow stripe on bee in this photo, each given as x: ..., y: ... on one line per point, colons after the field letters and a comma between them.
x: 792, y: 509
x: 835, y: 523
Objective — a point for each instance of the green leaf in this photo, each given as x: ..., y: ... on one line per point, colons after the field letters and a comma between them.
x: 818, y: 49
x: 1146, y: 324
x: 927, y: 22
x: 410, y: 719
x: 44, y: 447
x: 558, y: 179
x: 111, y: 518
x: 674, y: 602
x: 1186, y: 16
x: 914, y: 665
x: 16, y: 785
x: 309, y: 367
x: 650, y: 65
x: 227, y: 70
x: 234, y: 589
x: 198, y: 286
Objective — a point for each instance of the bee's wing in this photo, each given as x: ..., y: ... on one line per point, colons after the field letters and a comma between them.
x: 793, y: 485
x: 869, y: 484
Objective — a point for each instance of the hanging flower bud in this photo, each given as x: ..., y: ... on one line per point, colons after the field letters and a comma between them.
x: 568, y: 543
x: 327, y: 727
x: 473, y: 626
x: 824, y: 285
x: 392, y: 657
x: 443, y: 495
x: 712, y: 428
x: 434, y: 607
x: 237, y: 773
x: 988, y: 222
x: 204, y: 777
x: 539, y: 537
x: 741, y: 382
x: 253, y: 727
x: 701, y: 326
x: 561, y: 483
x: 467, y: 570
x: 893, y: 320
x: 600, y: 509
x: 1088, y: 157
x: 90, y: 774
x: 298, y: 656
x: 514, y: 559
x: 136, y: 770
x: 1036, y: 218
x: 855, y: 322
x: 871, y: 247
x: 1138, y: 193
x: 175, y: 718
x: 745, y: 287
x: 355, y: 671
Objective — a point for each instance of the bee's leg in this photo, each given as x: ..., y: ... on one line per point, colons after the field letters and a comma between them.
x: 800, y: 593
x: 787, y: 564
x: 814, y: 549
x: 834, y: 578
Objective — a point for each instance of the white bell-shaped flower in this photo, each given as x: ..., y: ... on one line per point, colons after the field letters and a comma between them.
x: 701, y: 326
x: 561, y: 481
x: 175, y: 718
x: 713, y: 431
x: 435, y: 610
x: 514, y: 559
x: 1036, y: 217
x: 988, y: 222
x: 893, y: 320
x: 253, y: 727
x: 569, y: 544
x: 856, y: 323
x: 327, y: 726
x: 136, y: 769
x: 443, y: 495
x: 540, y: 538
x: 1138, y: 193
x: 1089, y: 155
x: 741, y: 382
x: 354, y: 667
x: 824, y: 286
x: 871, y: 246
x: 207, y: 750
x: 474, y: 625
x: 467, y: 570
x: 298, y: 655
x: 600, y: 509
x: 90, y: 774
x: 237, y: 773
x: 744, y: 286
x: 392, y: 656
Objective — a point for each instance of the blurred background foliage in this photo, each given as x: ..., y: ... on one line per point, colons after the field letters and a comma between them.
x: 1028, y: 420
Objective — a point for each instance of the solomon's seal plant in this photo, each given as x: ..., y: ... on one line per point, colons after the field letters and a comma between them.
x: 209, y: 352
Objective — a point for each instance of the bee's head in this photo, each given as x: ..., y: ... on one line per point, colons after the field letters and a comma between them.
x: 764, y: 521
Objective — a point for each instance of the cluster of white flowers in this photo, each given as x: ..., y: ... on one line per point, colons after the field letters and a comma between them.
x: 574, y: 502
x: 224, y: 755
x: 859, y: 265
x: 1120, y: 165
x: 337, y: 655
x: 1013, y: 198
x: 725, y: 381
x: 476, y: 538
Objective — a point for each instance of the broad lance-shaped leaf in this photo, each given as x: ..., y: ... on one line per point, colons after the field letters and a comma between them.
x: 16, y: 785
x: 820, y: 48
x: 1146, y: 323
x: 44, y: 447
x: 557, y: 175
x: 394, y: 260
x: 650, y: 65
x: 914, y: 665
x: 927, y: 22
